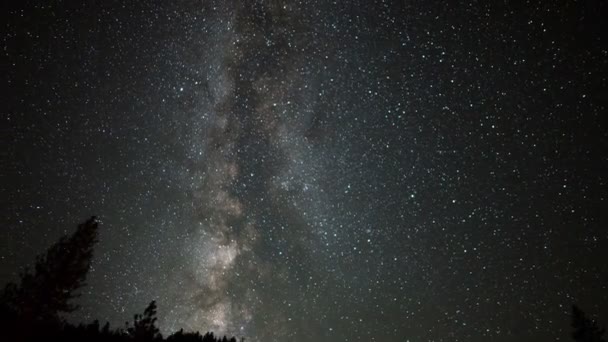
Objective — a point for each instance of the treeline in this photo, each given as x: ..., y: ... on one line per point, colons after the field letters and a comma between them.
x: 32, y: 310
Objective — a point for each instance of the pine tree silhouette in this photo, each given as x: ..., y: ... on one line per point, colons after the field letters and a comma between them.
x: 209, y: 337
x: 48, y: 291
x: 144, y: 328
x: 31, y: 310
x: 585, y: 329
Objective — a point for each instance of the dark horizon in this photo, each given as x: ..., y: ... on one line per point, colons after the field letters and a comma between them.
x: 315, y: 171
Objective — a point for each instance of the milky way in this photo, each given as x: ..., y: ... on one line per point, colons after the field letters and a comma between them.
x: 259, y: 177
x: 303, y: 171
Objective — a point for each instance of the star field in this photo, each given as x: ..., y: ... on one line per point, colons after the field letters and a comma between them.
x: 284, y: 170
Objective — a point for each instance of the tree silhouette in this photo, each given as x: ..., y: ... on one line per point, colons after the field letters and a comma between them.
x: 144, y: 328
x: 30, y: 310
x: 48, y: 291
x: 181, y: 336
x: 585, y: 329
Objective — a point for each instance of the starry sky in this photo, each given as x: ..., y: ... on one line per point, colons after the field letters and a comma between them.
x: 315, y: 170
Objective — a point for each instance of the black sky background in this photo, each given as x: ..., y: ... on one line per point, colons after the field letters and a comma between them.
x: 315, y: 170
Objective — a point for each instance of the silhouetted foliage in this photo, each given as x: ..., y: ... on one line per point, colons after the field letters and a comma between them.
x: 30, y: 310
x: 585, y: 329
x: 181, y: 336
x: 144, y: 328
x: 42, y: 295
x: 57, y: 275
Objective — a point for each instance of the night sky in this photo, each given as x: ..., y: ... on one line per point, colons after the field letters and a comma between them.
x: 315, y: 171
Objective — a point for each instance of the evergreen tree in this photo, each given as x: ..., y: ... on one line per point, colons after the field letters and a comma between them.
x: 30, y: 310
x: 209, y: 337
x: 144, y: 328
x: 49, y: 289
x: 585, y: 329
